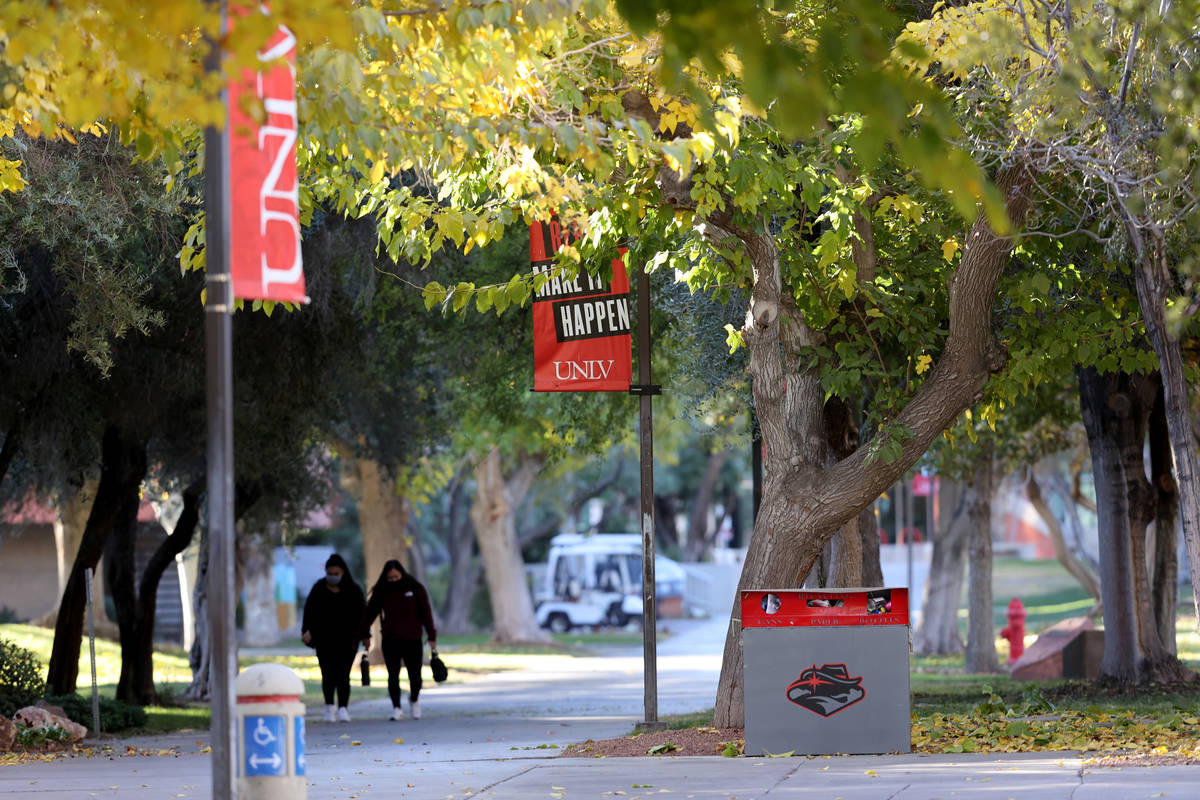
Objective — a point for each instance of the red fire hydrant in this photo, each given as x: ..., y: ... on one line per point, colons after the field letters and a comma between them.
x: 1015, y: 631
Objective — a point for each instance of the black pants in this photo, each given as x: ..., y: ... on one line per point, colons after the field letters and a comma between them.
x: 397, y: 651
x: 335, y: 663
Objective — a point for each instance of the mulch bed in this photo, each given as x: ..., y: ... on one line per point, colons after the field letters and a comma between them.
x: 687, y: 742
x: 713, y: 742
x: 1119, y: 760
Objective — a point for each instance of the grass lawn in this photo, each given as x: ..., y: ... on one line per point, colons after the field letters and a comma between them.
x: 466, y: 656
x: 951, y: 709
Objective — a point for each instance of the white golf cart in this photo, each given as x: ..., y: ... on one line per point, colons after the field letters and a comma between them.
x: 592, y: 580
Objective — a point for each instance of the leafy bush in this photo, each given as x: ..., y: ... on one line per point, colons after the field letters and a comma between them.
x: 36, y: 737
x: 21, y: 682
x: 114, y: 714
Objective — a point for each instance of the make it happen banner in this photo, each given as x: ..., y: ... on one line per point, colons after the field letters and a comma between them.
x: 265, y: 226
x: 581, y: 327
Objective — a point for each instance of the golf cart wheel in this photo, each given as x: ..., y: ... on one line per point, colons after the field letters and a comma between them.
x: 558, y: 623
x: 616, y: 617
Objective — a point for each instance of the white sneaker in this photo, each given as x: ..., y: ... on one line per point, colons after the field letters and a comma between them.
x: 329, y: 713
x: 343, y: 714
x: 397, y: 714
x: 416, y: 709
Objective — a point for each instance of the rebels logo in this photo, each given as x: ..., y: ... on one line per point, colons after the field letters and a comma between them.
x: 826, y: 690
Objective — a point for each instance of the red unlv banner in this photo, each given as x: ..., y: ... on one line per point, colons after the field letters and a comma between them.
x: 581, y: 328
x: 265, y: 226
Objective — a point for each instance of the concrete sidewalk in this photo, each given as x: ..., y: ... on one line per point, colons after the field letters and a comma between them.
x: 497, y: 737
x: 908, y: 777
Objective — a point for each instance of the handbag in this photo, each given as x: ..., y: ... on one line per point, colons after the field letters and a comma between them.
x: 365, y: 667
x: 437, y: 667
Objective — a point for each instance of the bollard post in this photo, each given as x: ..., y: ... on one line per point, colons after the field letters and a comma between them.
x: 270, y: 734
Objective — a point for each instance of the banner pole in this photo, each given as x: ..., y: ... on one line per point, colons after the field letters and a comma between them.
x: 218, y: 325
x: 646, y: 457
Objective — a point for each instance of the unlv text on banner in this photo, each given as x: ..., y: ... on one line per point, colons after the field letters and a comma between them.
x: 266, y: 261
x: 581, y: 326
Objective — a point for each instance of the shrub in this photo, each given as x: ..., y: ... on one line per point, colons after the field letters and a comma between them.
x: 34, y: 738
x: 114, y: 714
x: 21, y: 682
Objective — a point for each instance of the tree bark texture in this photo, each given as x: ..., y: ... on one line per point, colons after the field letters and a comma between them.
x: 1102, y: 419
x: 1115, y: 409
x: 71, y: 511
x: 1153, y: 280
x: 868, y: 529
x: 938, y: 632
x: 465, y: 567
x: 200, y: 655
x: 381, y: 518
x: 123, y: 465
x: 699, y: 537
x: 1080, y: 571
x: 142, y: 689
x: 805, y: 503
x: 260, y: 622
x: 981, y: 625
x: 1165, y: 573
x: 494, y: 512
x: 120, y: 573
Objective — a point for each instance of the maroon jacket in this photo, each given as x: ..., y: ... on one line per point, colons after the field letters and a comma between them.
x: 403, y: 609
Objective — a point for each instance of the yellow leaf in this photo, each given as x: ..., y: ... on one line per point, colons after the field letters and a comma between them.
x: 949, y: 248
x: 398, y: 740
x: 923, y: 362
x: 377, y: 171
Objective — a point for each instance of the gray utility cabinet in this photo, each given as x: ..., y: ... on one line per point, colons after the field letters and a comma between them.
x: 826, y: 671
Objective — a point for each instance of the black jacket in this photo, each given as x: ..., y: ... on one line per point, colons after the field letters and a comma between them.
x: 403, y: 609
x: 332, y: 617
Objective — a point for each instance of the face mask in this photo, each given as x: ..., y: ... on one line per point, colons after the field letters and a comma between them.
x: 333, y: 580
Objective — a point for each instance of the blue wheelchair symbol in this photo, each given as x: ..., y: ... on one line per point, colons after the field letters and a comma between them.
x: 264, y: 745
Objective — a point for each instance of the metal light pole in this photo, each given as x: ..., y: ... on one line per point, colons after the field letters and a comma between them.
x: 645, y: 391
x: 218, y: 330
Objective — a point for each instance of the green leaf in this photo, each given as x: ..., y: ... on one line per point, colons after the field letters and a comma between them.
x: 433, y: 293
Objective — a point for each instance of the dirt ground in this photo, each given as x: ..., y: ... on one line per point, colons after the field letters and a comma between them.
x: 717, y: 741
x: 686, y: 742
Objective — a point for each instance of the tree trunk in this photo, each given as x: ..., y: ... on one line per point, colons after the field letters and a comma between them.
x: 1104, y: 401
x: 493, y: 512
x: 120, y: 573
x: 981, y: 625
x: 1153, y: 281
x: 123, y: 465
x: 1116, y: 409
x: 465, y: 568
x: 803, y: 505
x: 1165, y: 584
x: 938, y: 632
x: 70, y: 520
x: 1078, y: 570
x: 381, y: 517
x: 260, y: 621
x: 868, y: 529
x: 1071, y: 496
x: 699, y: 538
x: 12, y: 441
x: 143, y: 691
x: 200, y: 655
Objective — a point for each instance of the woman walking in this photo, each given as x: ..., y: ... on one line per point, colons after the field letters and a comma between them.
x: 331, y: 613
x: 402, y: 604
